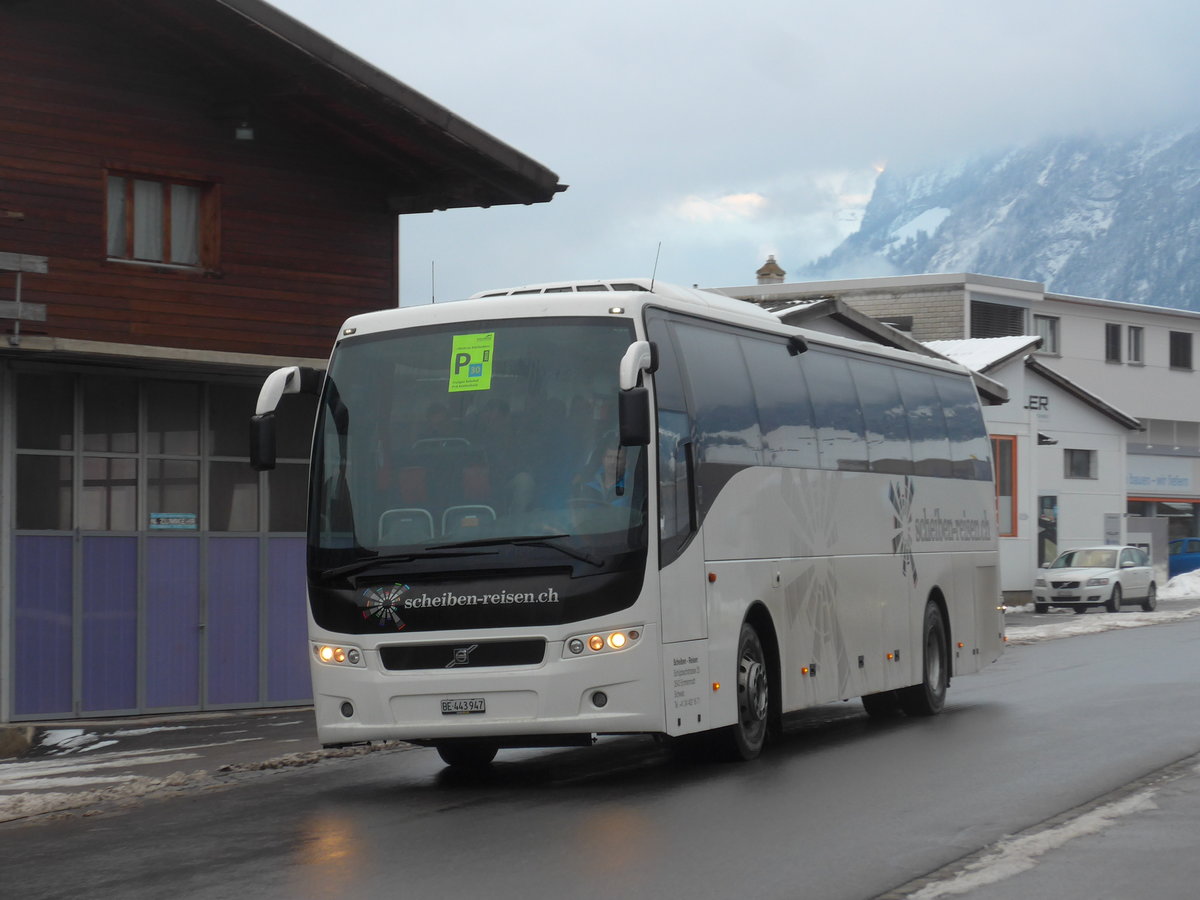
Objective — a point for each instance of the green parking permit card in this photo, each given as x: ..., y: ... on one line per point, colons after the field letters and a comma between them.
x: 471, y: 362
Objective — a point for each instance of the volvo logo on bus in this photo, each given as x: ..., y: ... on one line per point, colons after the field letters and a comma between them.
x: 462, y: 656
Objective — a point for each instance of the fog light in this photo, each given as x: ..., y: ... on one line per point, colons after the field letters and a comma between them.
x: 575, y: 645
x: 599, y: 699
x: 347, y: 709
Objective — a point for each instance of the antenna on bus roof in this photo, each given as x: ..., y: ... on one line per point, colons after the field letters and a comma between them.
x: 654, y: 272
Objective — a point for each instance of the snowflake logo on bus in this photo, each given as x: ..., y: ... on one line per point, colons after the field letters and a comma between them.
x: 901, y: 496
x: 383, y: 603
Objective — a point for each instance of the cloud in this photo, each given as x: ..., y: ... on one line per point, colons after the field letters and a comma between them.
x: 730, y: 208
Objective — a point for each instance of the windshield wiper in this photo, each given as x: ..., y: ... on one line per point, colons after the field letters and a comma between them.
x: 532, y: 540
x: 385, y: 560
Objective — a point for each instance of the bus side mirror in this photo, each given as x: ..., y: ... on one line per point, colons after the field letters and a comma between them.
x: 288, y: 380
x: 262, y: 441
x: 633, y: 410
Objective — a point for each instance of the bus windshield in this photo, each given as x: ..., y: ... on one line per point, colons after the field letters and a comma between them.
x: 467, y: 437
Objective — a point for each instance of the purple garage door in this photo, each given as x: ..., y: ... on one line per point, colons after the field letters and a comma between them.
x: 77, y: 647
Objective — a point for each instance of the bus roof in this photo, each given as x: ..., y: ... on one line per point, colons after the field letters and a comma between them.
x: 618, y: 296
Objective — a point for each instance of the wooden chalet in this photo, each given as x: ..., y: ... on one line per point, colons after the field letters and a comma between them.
x: 191, y: 193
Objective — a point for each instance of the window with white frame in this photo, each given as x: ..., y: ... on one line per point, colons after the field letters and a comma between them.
x: 1137, y: 337
x: 1046, y: 327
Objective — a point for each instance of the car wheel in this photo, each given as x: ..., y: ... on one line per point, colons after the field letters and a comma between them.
x: 1079, y: 610
x: 1151, y: 602
x: 1041, y: 608
x: 467, y: 755
x: 928, y: 697
x: 1114, y: 599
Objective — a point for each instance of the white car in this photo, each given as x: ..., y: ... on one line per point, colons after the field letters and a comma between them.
x: 1096, y: 576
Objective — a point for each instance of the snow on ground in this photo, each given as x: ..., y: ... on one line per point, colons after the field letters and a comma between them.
x: 1181, y: 587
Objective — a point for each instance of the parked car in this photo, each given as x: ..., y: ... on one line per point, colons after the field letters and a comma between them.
x: 1185, y: 556
x: 1087, y: 577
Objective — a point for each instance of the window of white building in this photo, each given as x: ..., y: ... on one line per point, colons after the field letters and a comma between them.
x: 1046, y: 327
x: 1079, y: 464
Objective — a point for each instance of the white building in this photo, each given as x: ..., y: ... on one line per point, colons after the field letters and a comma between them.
x: 1102, y: 424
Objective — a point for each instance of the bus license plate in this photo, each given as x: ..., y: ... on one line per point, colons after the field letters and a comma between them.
x: 463, y: 705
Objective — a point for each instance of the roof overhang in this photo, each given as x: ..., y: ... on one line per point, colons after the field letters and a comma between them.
x: 992, y: 393
x: 258, y: 62
x: 1070, y: 387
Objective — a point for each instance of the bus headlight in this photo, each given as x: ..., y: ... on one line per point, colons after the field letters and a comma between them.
x: 601, y: 642
x: 333, y: 655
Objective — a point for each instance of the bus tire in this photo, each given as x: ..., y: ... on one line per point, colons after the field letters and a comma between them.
x: 928, y: 697
x: 744, y: 740
x: 467, y: 755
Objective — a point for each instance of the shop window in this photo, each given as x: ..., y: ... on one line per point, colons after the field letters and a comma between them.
x: 45, y: 411
x: 173, y: 418
x: 109, y: 498
x: 110, y: 415
x: 161, y: 220
x: 287, y: 491
x: 1047, y: 539
x: 1004, y: 457
x: 44, y: 493
x: 230, y: 407
x: 232, y: 497
x: 173, y: 494
x: 1079, y: 464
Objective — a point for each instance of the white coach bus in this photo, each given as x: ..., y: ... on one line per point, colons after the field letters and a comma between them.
x: 555, y: 512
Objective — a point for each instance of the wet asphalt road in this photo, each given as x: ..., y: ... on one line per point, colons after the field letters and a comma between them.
x: 841, y: 807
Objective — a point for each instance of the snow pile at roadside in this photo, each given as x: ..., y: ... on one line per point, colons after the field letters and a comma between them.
x: 1181, y: 587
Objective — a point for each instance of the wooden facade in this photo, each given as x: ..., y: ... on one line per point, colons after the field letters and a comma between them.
x: 299, y: 225
x: 192, y: 192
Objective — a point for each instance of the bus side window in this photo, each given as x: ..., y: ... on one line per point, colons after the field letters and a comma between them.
x: 926, y: 424
x: 721, y: 398
x: 888, y: 446
x: 840, y: 434
x: 969, y: 445
x: 785, y: 413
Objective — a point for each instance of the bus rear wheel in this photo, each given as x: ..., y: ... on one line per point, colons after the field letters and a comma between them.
x: 928, y: 697
x: 473, y: 755
x: 744, y: 740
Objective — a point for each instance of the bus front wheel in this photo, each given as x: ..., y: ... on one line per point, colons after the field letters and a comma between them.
x: 745, y: 739
x: 928, y: 697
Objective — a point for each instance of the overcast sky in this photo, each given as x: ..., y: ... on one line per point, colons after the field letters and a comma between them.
x: 727, y: 131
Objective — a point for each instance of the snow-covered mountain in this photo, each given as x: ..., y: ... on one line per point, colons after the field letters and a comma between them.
x: 1118, y: 219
